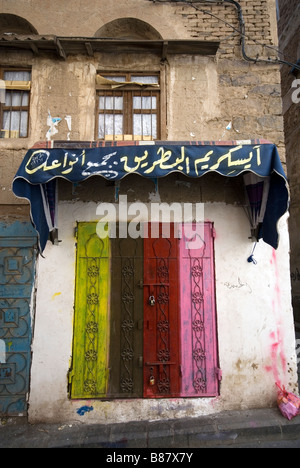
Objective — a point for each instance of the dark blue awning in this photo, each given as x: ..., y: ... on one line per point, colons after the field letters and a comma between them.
x: 37, y: 175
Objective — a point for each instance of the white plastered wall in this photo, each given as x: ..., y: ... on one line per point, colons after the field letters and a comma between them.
x: 254, y: 320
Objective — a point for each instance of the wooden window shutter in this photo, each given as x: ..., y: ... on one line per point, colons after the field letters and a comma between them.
x: 90, y: 345
x: 198, y: 313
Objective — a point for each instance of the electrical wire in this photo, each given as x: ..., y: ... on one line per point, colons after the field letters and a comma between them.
x: 241, y: 32
x: 234, y: 28
x: 251, y: 259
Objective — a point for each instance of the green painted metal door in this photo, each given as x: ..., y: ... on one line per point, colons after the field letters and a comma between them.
x: 89, y: 374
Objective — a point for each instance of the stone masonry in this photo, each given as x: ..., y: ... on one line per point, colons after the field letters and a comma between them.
x: 289, y: 42
x: 236, y: 99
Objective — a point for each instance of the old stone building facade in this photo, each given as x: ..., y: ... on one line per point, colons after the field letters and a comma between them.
x: 107, y: 87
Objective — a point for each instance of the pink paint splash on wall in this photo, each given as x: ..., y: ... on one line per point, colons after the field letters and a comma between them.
x: 277, y: 280
x: 276, y: 337
x: 276, y: 352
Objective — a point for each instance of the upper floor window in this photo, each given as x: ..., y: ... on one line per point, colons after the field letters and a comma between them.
x: 14, y: 105
x: 128, y: 106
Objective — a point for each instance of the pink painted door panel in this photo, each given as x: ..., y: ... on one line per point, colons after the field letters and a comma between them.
x: 198, y: 312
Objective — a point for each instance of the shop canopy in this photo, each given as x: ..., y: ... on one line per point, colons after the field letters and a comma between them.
x: 266, y: 187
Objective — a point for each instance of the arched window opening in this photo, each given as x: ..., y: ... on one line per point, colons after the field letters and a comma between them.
x: 13, y: 24
x: 128, y: 28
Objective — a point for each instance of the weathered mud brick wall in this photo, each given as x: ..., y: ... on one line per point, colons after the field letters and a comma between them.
x: 209, y: 98
x: 289, y: 43
x: 250, y: 93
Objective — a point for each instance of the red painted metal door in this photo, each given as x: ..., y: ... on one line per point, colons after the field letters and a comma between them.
x: 161, y: 315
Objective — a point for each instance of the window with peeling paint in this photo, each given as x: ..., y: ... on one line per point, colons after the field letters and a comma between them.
x: 128, y: 107
x: 15, y: 101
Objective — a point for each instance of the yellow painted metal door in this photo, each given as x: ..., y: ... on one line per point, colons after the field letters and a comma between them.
x: 89, y: 373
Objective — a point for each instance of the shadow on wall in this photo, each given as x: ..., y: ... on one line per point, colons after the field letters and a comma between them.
x: 13, y: 24
x: 128, y: 28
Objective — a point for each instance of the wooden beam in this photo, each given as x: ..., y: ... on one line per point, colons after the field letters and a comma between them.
x: 65, y: 46
x: 60, y: 49
x: 34, y: 48
x: 164, y: 50
x: 89, y: 49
